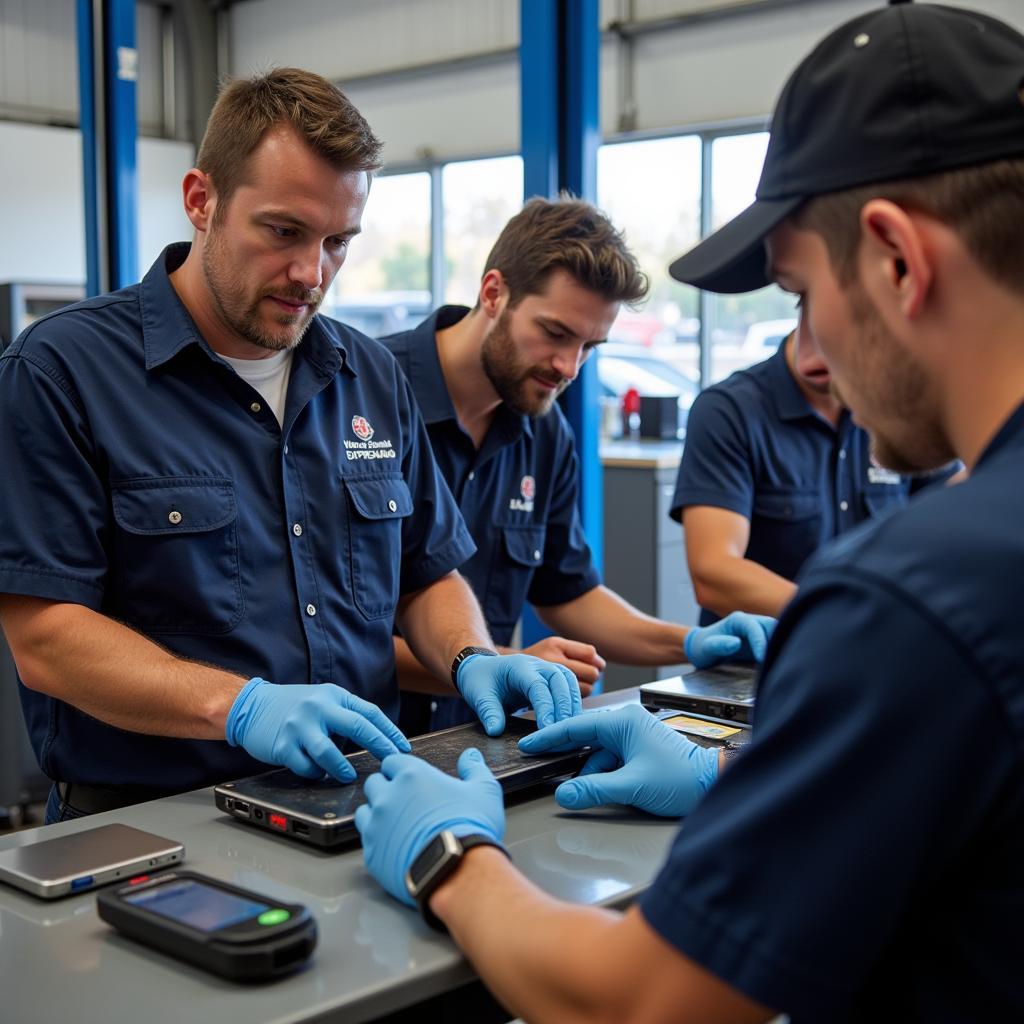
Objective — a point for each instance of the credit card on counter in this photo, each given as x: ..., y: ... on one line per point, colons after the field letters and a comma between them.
x: 700, y: 727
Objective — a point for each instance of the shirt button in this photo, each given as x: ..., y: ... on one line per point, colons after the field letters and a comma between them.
x: 286, y: 449
x: 255, y: 407
x: 311, y: 609
x: 392, y: 506
x: 844, y: 505
x: 842, y: 453
x: 174, y: 517
x: 471, y: 475
x: 536, y: 556
x: 297, y: 529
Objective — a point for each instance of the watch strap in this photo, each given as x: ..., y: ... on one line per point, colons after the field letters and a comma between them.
x: 468, y: 652
x: 447, y: 869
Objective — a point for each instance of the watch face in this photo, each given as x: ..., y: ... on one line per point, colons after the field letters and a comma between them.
x: 425, y: 863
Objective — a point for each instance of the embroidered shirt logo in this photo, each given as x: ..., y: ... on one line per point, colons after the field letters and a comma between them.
x: 880, y: 475
x: 528, y: 490
x: 366, y: 447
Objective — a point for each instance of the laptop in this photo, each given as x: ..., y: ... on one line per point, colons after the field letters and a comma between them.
x: 725, y: 693
x: 322, y: 812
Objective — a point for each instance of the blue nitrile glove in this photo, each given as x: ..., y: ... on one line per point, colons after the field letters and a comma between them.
x: 738, y: 637
x: 490, y: 685
x: 637, y: 761
x: 409, y: 802
x: 295, y: 726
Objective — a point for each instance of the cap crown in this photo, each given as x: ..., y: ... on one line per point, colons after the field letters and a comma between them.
x: 900, y: 92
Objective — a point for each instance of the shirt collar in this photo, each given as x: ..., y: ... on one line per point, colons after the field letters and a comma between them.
x: 427, y: 377
x: 168, y: 328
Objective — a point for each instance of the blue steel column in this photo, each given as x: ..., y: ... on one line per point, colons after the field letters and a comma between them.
x: 107, y: 74
x: 560, y: 132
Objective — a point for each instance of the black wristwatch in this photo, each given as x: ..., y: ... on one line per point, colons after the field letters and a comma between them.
x: 437, y: 862
x: 468, y: 652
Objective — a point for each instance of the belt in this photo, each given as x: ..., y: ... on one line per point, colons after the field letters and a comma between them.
x: 96, y: 799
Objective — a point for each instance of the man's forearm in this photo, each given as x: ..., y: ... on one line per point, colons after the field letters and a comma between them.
x: 741, y: 585
x: 544, y: 960
x: 619, y: 631
x: 549, y: 961
x: 437, y: 622
x: 113, y: 673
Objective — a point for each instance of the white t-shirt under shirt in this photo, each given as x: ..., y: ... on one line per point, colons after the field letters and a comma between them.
x: 268, y: 376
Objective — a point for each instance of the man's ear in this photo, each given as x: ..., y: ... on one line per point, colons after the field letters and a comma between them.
x: 895, y: 263
x: 199, y: 197
x: 492, y: 290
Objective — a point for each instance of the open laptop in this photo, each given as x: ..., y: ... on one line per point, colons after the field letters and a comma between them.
x: 322, y: 812
x: 725, y: 693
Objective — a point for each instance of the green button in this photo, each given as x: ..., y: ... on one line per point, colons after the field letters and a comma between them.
x: 275, y: 916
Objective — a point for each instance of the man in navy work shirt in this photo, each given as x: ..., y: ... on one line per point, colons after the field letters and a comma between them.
x: 486, y: 380
x: 773, y: 468
x: 863, y: 860
x: 208, y: 527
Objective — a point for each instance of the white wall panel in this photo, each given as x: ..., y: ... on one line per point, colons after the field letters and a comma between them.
x: 41, y: 204
x: 708, y: 71
x: 162, y: 165
x: 343, y: 39
x: 43, y: 237
x: 472, y: 112
x: 38, y: 59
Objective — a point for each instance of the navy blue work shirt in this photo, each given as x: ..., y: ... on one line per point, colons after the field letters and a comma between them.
x: 863, y: 860
x: 755, y: 446
x: 517, y: 493
x: 144, y: 479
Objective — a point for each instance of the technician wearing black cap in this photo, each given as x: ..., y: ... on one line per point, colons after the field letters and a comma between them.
x: 864, y: 859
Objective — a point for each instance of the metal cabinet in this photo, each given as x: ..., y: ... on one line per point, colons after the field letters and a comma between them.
x: 644, y: 556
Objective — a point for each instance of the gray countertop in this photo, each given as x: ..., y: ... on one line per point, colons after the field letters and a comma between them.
x: 59, y: 962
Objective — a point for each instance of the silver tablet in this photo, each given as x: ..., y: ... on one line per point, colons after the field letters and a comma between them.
x: 84, y: 860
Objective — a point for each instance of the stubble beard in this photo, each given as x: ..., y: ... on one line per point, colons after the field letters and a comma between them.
x: 508, y: 377
x: 228, y: 292
x: 901, y: 391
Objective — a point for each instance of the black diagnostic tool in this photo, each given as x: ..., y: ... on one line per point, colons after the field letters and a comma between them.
x: 233, y: 932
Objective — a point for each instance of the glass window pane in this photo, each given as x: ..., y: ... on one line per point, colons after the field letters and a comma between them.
x: 651, y: 192
x: 479, y: 198
x: 744, y: 329
x: 384, y: 285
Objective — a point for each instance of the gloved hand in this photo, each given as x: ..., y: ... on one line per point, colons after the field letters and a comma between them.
x: 492, y: 684
x: 410, y: 801
x: 738, y: 637
x: 637, y: 761
x: 294, y: 726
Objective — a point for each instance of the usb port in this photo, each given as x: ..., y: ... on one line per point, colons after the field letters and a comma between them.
x: 81, y: 883
x: 240, y: 807
x: 300, y: 828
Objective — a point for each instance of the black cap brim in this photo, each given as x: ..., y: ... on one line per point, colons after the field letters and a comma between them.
x: 734, y: 258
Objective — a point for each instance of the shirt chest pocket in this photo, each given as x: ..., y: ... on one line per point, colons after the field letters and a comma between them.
x: 785, y: 529
x: 177, y: 555
x: 378, y: 508
x: 520, y: 553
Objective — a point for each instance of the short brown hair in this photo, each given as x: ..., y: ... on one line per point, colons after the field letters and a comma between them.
x: 984, y: 204
x: 565, y: 234
x: 319, y: 112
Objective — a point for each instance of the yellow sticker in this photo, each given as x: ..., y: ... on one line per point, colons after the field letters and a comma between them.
x: 698, y: 727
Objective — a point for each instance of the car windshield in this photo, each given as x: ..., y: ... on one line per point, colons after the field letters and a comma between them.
x: 619, y: 375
